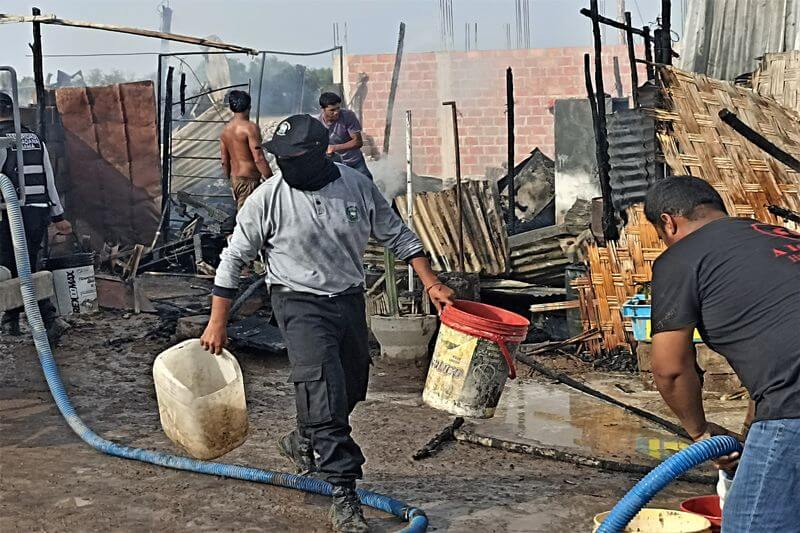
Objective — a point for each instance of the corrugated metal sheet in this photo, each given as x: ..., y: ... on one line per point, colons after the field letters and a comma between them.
x: 538, y: 256
x: 200, y: 140
x: 485, y: 237
x: 778, y: 77
x: 110, y: 135
x: 725, y: 38
x: 632, y: 150
x: 195, y: 152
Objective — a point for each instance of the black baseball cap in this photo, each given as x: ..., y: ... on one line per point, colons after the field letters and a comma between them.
x: 296, y: 135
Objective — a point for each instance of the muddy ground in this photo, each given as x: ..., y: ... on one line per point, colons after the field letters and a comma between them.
x: 51, y: 481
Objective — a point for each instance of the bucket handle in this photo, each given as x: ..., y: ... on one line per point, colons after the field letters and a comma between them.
x: 494, y: 337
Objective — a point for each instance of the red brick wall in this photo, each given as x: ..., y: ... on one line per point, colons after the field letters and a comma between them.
x: 476, y: 81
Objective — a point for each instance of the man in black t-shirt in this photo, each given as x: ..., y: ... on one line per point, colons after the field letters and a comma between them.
x: 738, y: 282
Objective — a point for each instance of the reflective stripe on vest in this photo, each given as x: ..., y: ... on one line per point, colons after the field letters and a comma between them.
x: 33, y: 159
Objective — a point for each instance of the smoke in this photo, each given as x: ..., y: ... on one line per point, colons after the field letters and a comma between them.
x: 390, y: 178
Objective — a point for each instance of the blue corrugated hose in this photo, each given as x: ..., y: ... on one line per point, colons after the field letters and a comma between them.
x: 417, y: 521
x: 663, y: 475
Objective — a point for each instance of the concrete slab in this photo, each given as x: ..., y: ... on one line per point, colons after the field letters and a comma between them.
x: 10, y: 296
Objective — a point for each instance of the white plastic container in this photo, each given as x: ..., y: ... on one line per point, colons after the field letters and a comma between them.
x: 201, y: 399
x: 73, y: 283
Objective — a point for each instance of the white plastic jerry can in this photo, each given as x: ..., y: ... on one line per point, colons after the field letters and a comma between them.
x: 201, y: 399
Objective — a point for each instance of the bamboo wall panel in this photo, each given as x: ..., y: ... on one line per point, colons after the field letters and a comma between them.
x: 694, y: 141
x: 778, y: 76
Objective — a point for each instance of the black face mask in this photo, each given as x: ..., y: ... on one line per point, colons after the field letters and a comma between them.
x: 308, y: 172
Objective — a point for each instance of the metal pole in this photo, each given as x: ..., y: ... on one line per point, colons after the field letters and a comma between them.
x: 165, y: 154
x: 457, y: 148
x: 260, y: 90
x: 341, y: 75
x: 512, y: 192
x: 38, y: 74
x: 158, y: 103
x: 17, y: 133
x: 409, y: 193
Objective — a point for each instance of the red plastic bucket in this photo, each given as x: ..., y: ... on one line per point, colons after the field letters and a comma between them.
x: 490, y: 323
x: 473, y: 358
x: 706, y: 506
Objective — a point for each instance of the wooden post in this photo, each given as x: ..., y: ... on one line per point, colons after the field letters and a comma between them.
x: 512, y: 200
x: 632, y: 60
x: 603, y: 167
x: 38, y: 74
x: 260, y: 87
x: 398, y: 58
x: 621, y: 16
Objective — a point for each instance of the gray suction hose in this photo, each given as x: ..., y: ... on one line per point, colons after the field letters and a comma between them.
x: 418, y: 522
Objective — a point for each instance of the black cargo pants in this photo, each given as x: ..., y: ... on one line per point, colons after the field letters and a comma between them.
x: 328, y: 347
x: 36, y: 220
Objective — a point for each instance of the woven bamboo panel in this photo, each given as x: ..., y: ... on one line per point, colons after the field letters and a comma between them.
x: 778, y: 76
x: 694, y: 141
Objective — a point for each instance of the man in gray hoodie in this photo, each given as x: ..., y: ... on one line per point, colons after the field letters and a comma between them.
x: 314, y: 220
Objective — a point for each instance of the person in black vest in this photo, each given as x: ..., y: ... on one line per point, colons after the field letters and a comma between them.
x: 42, y: 206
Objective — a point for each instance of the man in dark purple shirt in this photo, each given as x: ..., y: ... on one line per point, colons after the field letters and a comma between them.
x: 344, y: 131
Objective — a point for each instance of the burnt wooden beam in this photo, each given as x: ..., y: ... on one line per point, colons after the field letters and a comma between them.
x: 730, y: 118
x: 512, y: 200
x: 166, y: 135
x: 666, y: 31
x: 398, y: 59
x: 622, y: 26
x: 610, y: 231
x: 38, y: 74
x: 632, y: 61
x: 648, y: 54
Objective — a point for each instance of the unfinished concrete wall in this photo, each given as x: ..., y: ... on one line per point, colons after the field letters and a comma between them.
x: 476, y: 80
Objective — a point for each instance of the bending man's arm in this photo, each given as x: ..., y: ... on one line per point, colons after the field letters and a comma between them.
x: 673, y: 360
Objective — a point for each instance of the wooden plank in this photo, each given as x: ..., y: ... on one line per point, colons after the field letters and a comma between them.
x: 52, y: 19
x: 555, y: 306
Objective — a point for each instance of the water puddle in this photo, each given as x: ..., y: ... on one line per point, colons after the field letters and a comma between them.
x: 551, y: 415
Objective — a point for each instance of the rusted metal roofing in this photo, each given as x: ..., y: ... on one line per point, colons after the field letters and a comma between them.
x: 725, y: 38
x: 632, y: 151
x: 485, y: 238
x: 537, y: 256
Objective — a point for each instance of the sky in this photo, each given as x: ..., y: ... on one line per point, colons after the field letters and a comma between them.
x: 296, y: 25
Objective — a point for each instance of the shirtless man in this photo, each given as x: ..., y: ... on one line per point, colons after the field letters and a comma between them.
x: 243, y: 160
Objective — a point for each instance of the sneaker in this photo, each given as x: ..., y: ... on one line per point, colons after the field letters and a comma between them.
x: 10, y: 328
x: 346, y: 514
x: 299, y: 451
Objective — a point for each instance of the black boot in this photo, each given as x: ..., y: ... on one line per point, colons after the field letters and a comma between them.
x: 299, y: 450
x: 10, y: 325
x: 346, y: 514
